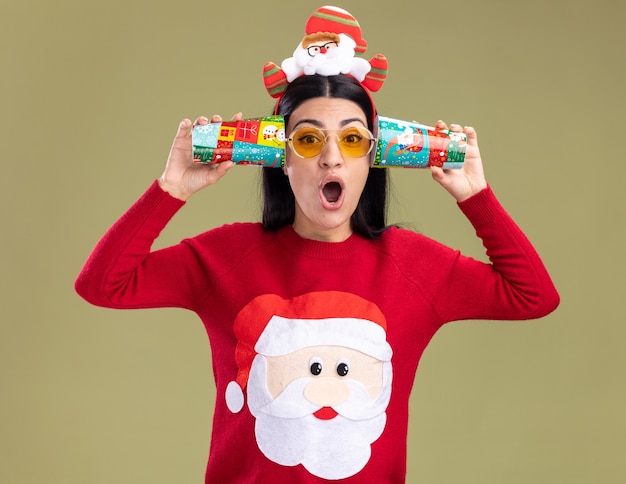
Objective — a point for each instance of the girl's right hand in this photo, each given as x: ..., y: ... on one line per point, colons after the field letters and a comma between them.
x: 182, y: 177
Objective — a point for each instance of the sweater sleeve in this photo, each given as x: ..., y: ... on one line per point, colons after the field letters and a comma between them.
x: 123, y: 273
x: 514, y: 285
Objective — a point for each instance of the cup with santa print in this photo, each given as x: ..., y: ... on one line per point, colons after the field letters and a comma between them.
x: 255, y: 141
x: 413, y: 145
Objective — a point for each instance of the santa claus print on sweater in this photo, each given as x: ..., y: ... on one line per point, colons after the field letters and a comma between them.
x: 317, y: 373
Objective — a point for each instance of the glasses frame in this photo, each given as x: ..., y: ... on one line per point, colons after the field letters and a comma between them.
x: 372, y: 139
x: 316, y: 49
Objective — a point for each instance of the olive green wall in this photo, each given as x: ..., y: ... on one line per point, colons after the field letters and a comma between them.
x: 90, y: 97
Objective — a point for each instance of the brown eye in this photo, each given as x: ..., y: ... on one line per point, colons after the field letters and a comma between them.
x: 352, y: 138
x: 309, y: 136
x: 356, y: 141
x: 308, y: 139
x: 307, y: 142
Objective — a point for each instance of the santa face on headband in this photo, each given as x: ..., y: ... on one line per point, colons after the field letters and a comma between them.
x: 327, y: 54
x: 332, y: 40
x: 319, y: 387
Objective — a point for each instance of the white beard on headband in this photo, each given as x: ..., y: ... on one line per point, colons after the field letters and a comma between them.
x: 339, y: 59
x: 288, y: 432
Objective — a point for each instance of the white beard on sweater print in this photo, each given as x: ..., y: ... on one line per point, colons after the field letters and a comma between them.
x: 328, y: 427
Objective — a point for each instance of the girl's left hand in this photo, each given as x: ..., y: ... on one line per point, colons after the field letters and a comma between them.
x: 465, y: 182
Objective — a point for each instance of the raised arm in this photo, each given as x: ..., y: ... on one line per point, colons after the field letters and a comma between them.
x: 515, y: 284
x: 121, y: 271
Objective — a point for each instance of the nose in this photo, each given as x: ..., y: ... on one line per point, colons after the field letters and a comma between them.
x: 327, y: 392
x: 331, y: 155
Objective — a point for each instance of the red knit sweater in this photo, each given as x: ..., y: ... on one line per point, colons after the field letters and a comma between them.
x: 415, y: 282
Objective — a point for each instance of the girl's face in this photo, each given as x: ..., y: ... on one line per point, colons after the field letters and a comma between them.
x: 327, y: 187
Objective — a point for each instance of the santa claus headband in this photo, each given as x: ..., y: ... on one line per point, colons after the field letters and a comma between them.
x: 332, y: 39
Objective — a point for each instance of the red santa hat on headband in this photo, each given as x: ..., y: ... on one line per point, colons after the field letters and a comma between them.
x: 338, y: 21
x: 272, y: 326
x: 332, y: 38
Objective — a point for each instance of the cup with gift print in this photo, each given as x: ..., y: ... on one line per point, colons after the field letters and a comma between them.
x: 256, y: 141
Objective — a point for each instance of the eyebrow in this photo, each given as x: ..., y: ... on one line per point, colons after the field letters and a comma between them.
x: 318, y: 124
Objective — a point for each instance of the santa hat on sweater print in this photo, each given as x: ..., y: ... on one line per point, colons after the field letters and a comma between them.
x: 273, y: 326
x: 317, y: 373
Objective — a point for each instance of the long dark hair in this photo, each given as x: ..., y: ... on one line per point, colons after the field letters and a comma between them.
x: 279, y: 206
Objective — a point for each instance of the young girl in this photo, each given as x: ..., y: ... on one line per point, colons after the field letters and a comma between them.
x: 318, y: 316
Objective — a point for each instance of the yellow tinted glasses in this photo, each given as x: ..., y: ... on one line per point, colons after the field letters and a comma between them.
x: 308, y: 141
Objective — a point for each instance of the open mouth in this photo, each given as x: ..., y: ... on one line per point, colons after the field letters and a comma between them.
x: 332, y: 191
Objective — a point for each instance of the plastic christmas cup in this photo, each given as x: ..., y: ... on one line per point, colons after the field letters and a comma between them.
x: 258, y: 141
x: 261, y: 142
x: 414, y: 145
